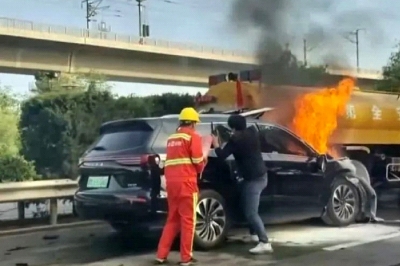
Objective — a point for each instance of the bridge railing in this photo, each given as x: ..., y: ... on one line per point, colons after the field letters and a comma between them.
x: 110, y: 36
x: 95, y: 34
x: 38, y: 190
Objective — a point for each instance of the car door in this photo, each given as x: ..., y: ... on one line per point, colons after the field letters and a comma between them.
x: 224, y: 133
x: 295, y: 182
x: 159, y: 193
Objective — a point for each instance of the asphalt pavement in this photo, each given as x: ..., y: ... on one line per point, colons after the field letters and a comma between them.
x: 305, y: 243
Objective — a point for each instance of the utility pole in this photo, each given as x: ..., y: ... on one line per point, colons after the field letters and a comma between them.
x: 357, y: 50
x: 140, y: 17
x: 144, y: 28
x: 92, y: 9
x: 306, y: 49
x: 305, y: 52
x: 88, y: 5
x: 357, y: 43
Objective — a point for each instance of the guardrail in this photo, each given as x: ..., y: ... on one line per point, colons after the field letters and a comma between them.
x: 38, y: 190
x: 362, y: 73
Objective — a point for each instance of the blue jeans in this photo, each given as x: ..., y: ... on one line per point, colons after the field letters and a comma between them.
x: 250, y: 198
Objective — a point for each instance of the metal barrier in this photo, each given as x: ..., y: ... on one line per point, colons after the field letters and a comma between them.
x: 39, y: 190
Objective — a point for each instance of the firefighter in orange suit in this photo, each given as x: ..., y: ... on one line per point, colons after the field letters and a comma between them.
x: 183, y: 164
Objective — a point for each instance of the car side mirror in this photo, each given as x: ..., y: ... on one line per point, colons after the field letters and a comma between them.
x: 321, y: 162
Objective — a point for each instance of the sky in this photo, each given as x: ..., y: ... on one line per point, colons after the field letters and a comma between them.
x: 205, y: 22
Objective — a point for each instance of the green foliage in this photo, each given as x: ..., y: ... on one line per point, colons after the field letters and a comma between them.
x: 14, y: 168
x: 9, y: 132
x: 59, y: 125
x: 46, y: 82
x: 310, y: 76
x: 391, y: 73
x: 169, y: 103
x: 285, y: 69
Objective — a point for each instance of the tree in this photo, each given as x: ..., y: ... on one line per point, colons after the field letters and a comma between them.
x: 13, y: 166
x: 9, y: 131
x: 391, y: 73
x: 169, y: 103
x: 61, y: 121
x: 285, y: 69
x: 46, y: 82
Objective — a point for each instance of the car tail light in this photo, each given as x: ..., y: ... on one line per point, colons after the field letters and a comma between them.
x: 143, y: 160
x: 129, y: 160
x: 131, y: 199
x: 150, y: 160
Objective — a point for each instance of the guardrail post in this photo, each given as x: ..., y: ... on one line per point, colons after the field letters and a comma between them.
x: 21, y: 210
x: 53, y: 211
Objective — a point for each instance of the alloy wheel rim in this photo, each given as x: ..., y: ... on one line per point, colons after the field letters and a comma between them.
x: 211, y: 219
x: 343, y: 202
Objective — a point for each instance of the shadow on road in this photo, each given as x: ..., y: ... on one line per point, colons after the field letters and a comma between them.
x: 101, y: 245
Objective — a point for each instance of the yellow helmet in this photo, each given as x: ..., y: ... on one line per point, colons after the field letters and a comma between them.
x: 189, y: 114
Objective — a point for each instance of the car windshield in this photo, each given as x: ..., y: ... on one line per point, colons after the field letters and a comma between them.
x: 123, y: 137
x: 122, y: 140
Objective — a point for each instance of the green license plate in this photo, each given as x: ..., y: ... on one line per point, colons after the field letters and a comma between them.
x: 97, y: 182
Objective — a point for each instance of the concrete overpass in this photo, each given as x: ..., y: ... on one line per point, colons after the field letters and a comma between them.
x: 26, y: 47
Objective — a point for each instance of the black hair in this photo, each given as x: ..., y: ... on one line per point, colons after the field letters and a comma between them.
x: 237, y: 122
x: 186, y: 123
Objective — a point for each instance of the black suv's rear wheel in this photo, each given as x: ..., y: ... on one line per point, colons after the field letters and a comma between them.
x: 212, y: 222
x: 344, y: 204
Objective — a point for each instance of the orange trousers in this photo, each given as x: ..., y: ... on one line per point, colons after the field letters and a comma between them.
x: 182, y: 202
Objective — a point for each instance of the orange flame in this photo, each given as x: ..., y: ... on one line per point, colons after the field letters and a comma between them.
x: 317, y: 114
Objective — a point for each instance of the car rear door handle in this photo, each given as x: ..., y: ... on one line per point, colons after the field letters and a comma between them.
x: 274, y: 169
x: 289, y: 172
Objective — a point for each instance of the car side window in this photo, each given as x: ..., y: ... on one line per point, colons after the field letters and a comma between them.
x: 224, y: 132
x: 204, y: 129
x: 168, y: 129
x: 274, y: 139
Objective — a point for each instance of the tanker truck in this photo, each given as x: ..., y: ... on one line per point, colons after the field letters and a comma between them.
x: 368, y: 131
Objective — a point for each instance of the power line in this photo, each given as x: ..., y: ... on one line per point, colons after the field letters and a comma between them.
x: 155, y: 4
x: 93, y: 8
x: 209, y: 7
x: 353, y: 37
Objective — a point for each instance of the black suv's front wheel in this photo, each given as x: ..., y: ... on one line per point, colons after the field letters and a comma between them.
x: 344, y: 204
x: 212, y: 222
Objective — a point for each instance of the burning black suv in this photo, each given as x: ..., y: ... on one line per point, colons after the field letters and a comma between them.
x: 121, y: 180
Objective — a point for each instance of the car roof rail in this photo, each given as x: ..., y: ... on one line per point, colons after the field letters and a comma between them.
x: 209, y: 111
x: 213, y: 111
x: 236, y: 111
x: 257, y: 113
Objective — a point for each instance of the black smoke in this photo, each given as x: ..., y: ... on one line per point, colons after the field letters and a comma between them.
x: 283, y: 24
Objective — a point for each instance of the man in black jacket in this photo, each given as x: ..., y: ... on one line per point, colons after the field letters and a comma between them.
x: 245, y: 146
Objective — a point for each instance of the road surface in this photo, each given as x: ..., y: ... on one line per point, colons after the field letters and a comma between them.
x: 306, y: 243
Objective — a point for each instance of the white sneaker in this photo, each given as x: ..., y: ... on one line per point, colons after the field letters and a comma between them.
x: 261, y: 248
